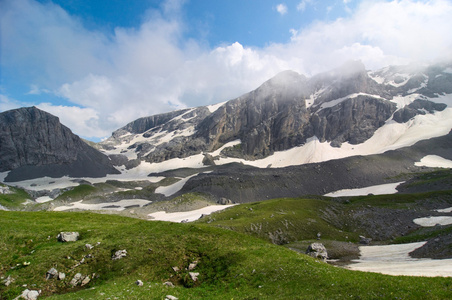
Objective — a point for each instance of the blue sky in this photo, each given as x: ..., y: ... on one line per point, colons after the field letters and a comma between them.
x: 101, y: 64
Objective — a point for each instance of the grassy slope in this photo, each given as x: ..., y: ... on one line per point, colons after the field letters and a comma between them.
x: 282, y: 220
x: 231, y: 265
x: 14, y: 200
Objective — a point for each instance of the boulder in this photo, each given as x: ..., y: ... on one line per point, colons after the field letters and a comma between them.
x: 119, y: 254
x: 224, y: 201
x: 139, y: 282
x: 170, y: 297
x: 364, y: 240
x: 61, y: 276
x: 85, y: 281
x: 168, y: 284
x: 68, y: 236
x: 317, y: 250
x: 52, y: 273
x: 77, y: 279
x: 29, y: 295
x: 192, y: 265
x: 193, y: 276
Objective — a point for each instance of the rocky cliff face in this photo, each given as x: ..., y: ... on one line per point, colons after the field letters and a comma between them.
x: 347, y: 104
x: 31, y: 139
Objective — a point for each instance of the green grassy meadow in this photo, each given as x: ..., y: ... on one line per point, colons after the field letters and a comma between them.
x: 231, y: 265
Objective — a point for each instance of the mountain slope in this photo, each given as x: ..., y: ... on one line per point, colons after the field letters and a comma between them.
x: 34, y: 144
x: 343, y: 108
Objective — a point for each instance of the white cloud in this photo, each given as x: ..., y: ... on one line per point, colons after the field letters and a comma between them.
x: 85, y: 120
x: 7, y: 103
x: 302, y: 5
x: 410, y: 30
x: 281, y: 8
x: 153, y: 69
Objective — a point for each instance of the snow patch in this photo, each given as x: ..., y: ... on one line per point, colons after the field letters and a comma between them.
x: 405, y: 78
x: 173, y: 188
x: 422, y: 85
x: 448, y: 70
x: 395, y: 260
x: 376, y: 78
x: 382, y: 189
x: 213, y: 108
x: 403, y: 101
x: 434, y: 161
x: 43, y: 199
x: 114, y: 206
x: 187, y: 216
x: 351, y: 96
x: 445, y: 210
x: 3, y: 176
x: 433, y: 221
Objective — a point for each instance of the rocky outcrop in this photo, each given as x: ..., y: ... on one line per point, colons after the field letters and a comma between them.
x: 34, y: 143
x: 353, y: 120
x: 317, y: 250
x: 417, y: 107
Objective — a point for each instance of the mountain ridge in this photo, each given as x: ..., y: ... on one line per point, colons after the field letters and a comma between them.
x: 345, y: 105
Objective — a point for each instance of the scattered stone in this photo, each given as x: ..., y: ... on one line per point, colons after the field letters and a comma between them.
x: 192, y: 265
x: 139, y: 282
x: 8, y: 280
x: 317, y: 250
x: 169, y: 284
x: 119, y: 254
x: 176, y: 269
x: 29, y: 295
x: 364, y: 240
x: 85, y: 280
x: 194, y: 276
x: 77, y: 279
x: 89, y: 246
x: 52, y: 273
x: 170, y: 297
x: 68, y: 236
x: 61, y: 276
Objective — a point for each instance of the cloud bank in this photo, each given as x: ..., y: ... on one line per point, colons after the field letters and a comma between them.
x: 108, y: 80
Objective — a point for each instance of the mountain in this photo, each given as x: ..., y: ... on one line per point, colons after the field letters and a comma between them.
x: 344, y: 112
x: 34, y: 143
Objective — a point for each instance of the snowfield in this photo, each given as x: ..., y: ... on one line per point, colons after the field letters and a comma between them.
x: 382, y: 189
x: 186, y: 216
x: 115, y: 206
x: 395, y: 260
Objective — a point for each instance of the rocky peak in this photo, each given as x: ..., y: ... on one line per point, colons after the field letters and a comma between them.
x: 30, y: 137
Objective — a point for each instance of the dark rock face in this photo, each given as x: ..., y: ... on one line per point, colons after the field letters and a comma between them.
x: 32, y: 140
x: 354, y: 120
x: 419, y: 106
x: 273, y: 117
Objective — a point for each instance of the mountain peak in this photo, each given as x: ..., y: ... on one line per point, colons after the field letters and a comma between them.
x: 34, y: 143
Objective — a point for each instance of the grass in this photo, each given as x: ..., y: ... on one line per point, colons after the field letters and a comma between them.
x: 15, y: 200
x: 231, y: 265
x: 282, y: 220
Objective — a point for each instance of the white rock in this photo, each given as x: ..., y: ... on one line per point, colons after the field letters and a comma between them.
x: 68, y: 236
